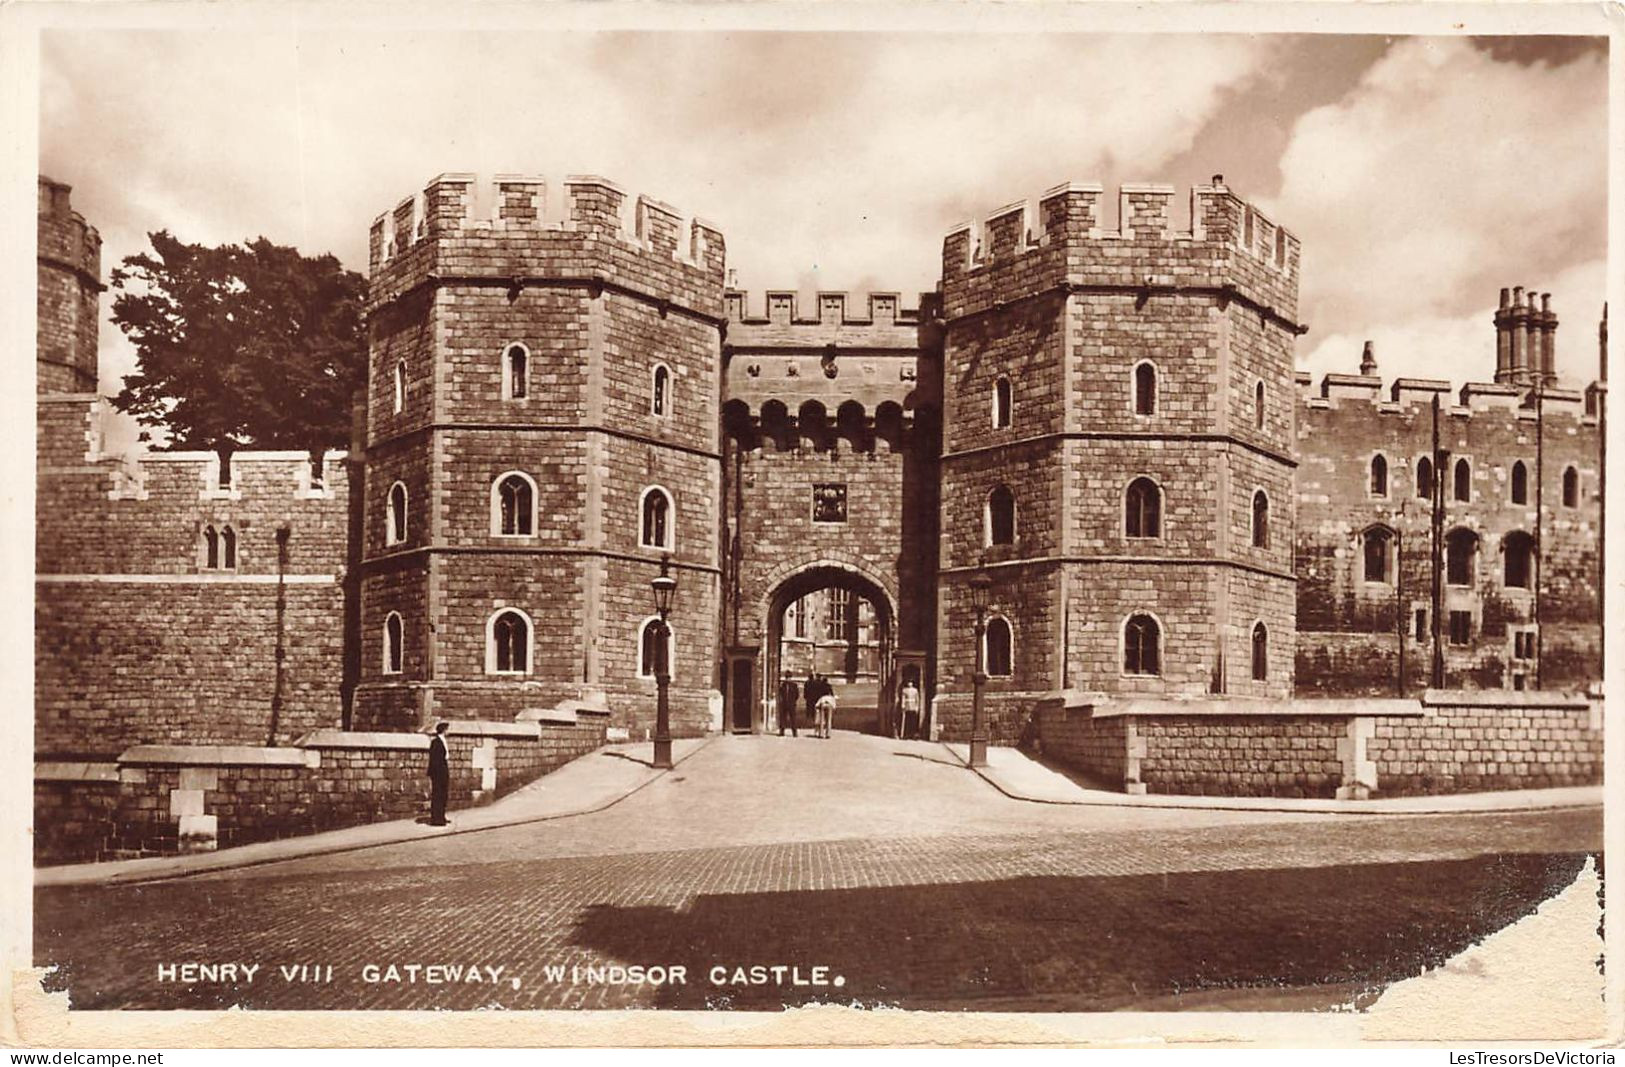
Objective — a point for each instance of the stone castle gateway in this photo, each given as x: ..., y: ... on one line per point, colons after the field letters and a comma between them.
x: 1194, y: 549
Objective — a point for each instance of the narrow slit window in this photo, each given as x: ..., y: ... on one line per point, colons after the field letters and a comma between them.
x: 1001, y: 516
x: 997, y: 648
x: 660, y: 392
x: 1001, y: 403
x: 518, y: 372
x: 1145, y: 389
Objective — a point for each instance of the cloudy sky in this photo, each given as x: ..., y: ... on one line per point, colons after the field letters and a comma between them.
x: 1422, y: 173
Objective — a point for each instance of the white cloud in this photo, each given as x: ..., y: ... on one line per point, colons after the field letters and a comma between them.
x: 828, y: 160
x: 1442, y: 176
x: 1461, y: 348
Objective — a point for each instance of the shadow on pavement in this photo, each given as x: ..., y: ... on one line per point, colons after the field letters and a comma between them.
x: 944, y: 758
x: 1082, y: 943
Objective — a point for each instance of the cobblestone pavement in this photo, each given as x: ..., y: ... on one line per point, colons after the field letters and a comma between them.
x: 908, y: 881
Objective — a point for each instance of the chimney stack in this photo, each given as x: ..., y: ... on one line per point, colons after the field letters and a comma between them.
x: 1548, y: 341
x: 1520, y: 338
x: 1503, y: 339
x: 1368, y: 361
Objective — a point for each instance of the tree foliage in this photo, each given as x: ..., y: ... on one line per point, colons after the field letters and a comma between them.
x: 241, y: 345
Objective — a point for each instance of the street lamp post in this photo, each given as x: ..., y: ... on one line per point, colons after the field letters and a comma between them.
x: 981, y: 586
x: 665, y: 588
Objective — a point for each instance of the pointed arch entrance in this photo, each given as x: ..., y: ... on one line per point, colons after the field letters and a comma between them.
x: 831, y: 618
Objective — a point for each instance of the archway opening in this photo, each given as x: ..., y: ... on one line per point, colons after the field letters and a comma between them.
x: 834, y: 625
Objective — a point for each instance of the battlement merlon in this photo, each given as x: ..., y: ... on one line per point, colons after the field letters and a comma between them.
x: 1244, y: 248
x: 595, y: 206
x: 64, y: 236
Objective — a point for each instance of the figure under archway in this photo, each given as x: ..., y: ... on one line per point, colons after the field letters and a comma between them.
x: 835, y: 624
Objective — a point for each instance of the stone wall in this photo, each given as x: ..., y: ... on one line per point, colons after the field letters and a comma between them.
x: 1097, y: 747
x: 158, y: 800
x: 1494, y: 741
x: 138, y: 640
x: 1358, y: 748
x: 1350, y: 628
x: 1275, y: 756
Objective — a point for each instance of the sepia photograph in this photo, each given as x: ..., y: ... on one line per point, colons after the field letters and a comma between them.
x: 977, y: 513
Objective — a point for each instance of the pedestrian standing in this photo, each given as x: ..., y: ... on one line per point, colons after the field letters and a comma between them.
x: 826, y: 710
x: 439, y: 775
x: 909, y: 700
x: 789, y: 693
x: 809, y: 693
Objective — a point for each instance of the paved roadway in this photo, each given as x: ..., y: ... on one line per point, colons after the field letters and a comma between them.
x: 869, y: 871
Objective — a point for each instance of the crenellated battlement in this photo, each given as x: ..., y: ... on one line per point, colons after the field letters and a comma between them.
x: 517, y: 205
x: 64, y: 236
x: 1343, y: 391
x: 779, y: 309
x: 1062, y: 238
x: 1525, y: 376
x: 1075, y: 210
x: 833, y: 360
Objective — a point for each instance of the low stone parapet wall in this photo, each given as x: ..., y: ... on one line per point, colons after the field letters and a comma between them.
x: 165, y: 799
x: 1445, y: 742
x: 1008, y: 716
x: 1071, y: 735
x: 1470, y: 742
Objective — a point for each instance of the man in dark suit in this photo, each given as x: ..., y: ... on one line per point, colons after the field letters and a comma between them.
x: 811, y: 692
x: 439, y: 775
x: 789, y: 693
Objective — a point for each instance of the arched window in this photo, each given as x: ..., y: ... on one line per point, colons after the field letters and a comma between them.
x: 513, y: 505
x: 655, y: 527
x: 1261, y: 519
x: 1571, y: 487
x: 400, y: 386
x: 1379, y: 475
x: 649, y: 648
x: 1520, y: 483
x: 393, y: 634
x: 660, y: 391
x: 1258, y: 405
x: 1001, y: 403
x: 395, y: 519
x: 997, y: 646
x: 1145, y: 388
x: 219, y: 548
x: 1142, y: 641
x: 1378, y: 540
x: 1261, y: 652
x: 1001, y: 516
x: 1460, y: 551
x: 1518, y: 562
x: 516, y: 372
x: 1464, y: 480
x: 1424, y: 478
x: 1142, y: 509
x: 507, y: 645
